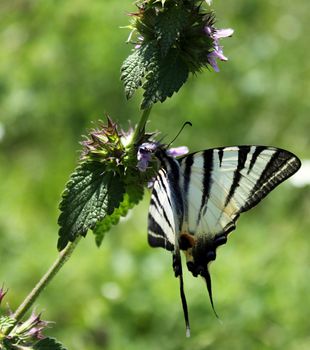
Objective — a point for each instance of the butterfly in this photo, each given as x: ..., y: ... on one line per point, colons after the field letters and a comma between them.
x: 197, y: 199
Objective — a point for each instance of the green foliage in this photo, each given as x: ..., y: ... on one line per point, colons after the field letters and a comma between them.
x: 171, y: 42
x: 48, y: 344
x: 134, y: 68
x: 169, y: 26
x: 91, y: 193
x: 23, y: 340
x: 133, y: 195
x: 5, y: 323
x: 166, y: 75
x: 43, y: 344
x: 104, y: 225
x: 105, y: 185
x: 7, y: 345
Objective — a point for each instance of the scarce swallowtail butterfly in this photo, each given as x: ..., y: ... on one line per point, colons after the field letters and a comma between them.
x: 197, y: 199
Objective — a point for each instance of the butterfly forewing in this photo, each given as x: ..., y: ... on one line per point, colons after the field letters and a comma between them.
x: 218, y: 184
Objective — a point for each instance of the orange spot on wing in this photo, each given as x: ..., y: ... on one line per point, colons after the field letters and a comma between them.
x: 186, y: 241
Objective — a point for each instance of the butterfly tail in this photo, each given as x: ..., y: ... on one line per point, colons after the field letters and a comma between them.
x: 207, y: 277
x: 184, y: 305
x: 177, y: 266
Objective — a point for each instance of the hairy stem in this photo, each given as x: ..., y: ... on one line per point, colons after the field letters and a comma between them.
x: 140, y: 129
x: 64, y: 255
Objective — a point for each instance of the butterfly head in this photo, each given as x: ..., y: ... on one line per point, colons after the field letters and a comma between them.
x: 147, y: 149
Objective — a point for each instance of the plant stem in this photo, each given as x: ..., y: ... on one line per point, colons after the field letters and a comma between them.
x: 140, y: 129
x: 64, y: 255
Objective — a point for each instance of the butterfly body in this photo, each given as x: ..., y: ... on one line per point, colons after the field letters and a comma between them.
x: 197, y: 199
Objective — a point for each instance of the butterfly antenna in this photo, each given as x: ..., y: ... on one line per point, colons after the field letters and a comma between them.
x: 207, y: 277
x: 183, y: 126
x: 184, y: 305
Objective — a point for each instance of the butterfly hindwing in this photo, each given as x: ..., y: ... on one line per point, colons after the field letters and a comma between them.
x: 161, y: 218
x: 166, y: 208
x: 166, y: 216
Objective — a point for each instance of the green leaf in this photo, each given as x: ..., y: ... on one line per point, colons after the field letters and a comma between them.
x: 91, y: 193
x: 168, y: 74
x: 6, y: 344
x: 104, y: 225
x: 132, y: 72
x: 169, y: 26
x: 134, y: 193
x: 6, y: 322
x: 134, y: 67
x: 48, y: 344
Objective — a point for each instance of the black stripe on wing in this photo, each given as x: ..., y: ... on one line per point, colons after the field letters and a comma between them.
x: 166, y: 207
x: 160, y: 209
x: 257, y: 152
x: 187, y: 176
x: 220, y: 154
x: 161, y: 181
x: 281, y: 166
x: 242, y: 156
x: 172, y: 173
x: 156, y: 235
x: 207, y: 180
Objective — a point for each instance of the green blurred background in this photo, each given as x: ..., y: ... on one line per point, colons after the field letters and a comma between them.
x: 59, y: 73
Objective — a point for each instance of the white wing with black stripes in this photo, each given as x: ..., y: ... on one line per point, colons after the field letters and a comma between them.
x: 196, y: 201
x: 162, y: 220
x: 166, y: 217
x: 166, y: 207
x: 219, y: 184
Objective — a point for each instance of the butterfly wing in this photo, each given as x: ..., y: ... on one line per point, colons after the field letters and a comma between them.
x: 166, y: 216
x: 163, y: 221
x: 219, y: 184
x: 195, y: 203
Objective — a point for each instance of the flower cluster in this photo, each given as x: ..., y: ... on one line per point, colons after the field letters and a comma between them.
x: 104, y: 144
x: 30, y: 330
x: 108, y: 145
x: 144, y: 154
x: 217, y: 53
x: 23, y: 334
x: 184, y: 27
x: 2, y: 293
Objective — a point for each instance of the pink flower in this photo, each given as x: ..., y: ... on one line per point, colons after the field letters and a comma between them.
x: 217, y: 53
x: 2, y: 293
x: 177, y: 151
x: 146, y: 150
x: 144, y: 154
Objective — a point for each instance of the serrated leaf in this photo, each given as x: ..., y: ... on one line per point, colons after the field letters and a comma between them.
x: 104, y: 225
x: 134, y: 67
x: 168, y: 74
x: 91, y: 193
x: 168, y: 27
x: 6, y: 322
x: 6, y: 344
x: 48, y: 344
x: 134, y: 193
x: 132, y: 72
